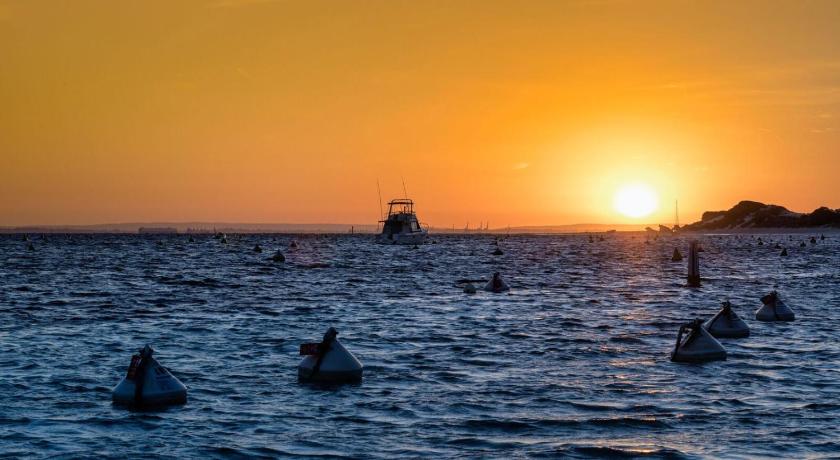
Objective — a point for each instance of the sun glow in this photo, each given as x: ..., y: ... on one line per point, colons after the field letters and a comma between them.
x: 636, y: 200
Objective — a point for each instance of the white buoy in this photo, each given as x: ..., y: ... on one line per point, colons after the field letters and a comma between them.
x: 147, y: 383
x: 496, y: 284
x: 774, y: 309
x: 726, y: 324
x: 698, y: 346
x: 694, y: 264
x: 328, y: 362
x: 469, y: 288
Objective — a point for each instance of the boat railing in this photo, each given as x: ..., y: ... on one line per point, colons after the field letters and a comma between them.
x: 402, y: 206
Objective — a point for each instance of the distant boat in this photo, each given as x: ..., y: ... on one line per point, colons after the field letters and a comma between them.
x: 401, y: 226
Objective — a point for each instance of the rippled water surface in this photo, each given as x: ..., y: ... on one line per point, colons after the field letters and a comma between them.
x: 572, y: 362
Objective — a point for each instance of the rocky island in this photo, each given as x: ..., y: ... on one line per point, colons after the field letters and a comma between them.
x: 752, y: 214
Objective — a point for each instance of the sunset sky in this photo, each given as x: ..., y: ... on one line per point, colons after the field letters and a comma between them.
x: 512, y: 112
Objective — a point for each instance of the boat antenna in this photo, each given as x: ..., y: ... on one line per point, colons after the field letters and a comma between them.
x: 405, y: 193
x: 676, y: 213
x: 378, y: 189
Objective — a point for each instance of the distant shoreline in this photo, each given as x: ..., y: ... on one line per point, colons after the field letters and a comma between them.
x: 323, y: 228
x: 441, y: 232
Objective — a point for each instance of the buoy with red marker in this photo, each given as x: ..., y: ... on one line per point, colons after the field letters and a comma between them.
x: 328, y: 362
x: 147, y: 383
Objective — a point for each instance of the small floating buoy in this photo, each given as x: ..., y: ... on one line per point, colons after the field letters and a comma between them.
x: 591, y: 240
x: 726, y: 324
x: 293, y: 244
x: 802, y: 244
x: 30, y: 247
x: 774, y: 309
x: 496, y: 284
x: 600, y: 238
x: 224, y: 239
x: 813, y: 240
x: 415, y: 247
x: 147, y: 383
x: 784, y: 252
x: 328, y: 361
x: 191, y: 240
x: 498, y: 252
x: 676, y: 256
x: 822, y: 237
x: 257, y: 248
x: 698, y: 347
x: 278, y: 257
x: 160, y: 243
x: 469, y: 288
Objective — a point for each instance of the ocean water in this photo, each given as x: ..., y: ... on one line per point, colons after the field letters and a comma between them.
x: 573, y: 362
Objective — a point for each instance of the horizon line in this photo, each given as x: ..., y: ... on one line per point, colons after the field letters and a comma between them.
x: 276, y: 224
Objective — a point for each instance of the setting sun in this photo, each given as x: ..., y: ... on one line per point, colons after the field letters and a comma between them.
x: 636, y: 200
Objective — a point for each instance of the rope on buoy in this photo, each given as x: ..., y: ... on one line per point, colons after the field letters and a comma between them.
x: 323, y: 348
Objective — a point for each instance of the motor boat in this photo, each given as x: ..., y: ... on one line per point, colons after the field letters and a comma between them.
x: 401, y: 226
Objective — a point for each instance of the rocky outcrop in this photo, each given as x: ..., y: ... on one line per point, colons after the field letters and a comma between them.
x: 752, y: 214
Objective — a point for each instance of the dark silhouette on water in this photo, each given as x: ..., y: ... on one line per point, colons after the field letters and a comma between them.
x: 694, y: 264
x: 699, y: 346
x: 752, y: 214
x: 676, y: 256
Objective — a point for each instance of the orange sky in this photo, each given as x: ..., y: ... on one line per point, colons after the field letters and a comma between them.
x: 516, y: 112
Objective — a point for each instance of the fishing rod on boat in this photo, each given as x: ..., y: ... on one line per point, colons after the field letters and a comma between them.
x: 381, y: 212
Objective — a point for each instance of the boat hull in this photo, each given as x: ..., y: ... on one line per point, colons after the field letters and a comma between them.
x: 403, y: 238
